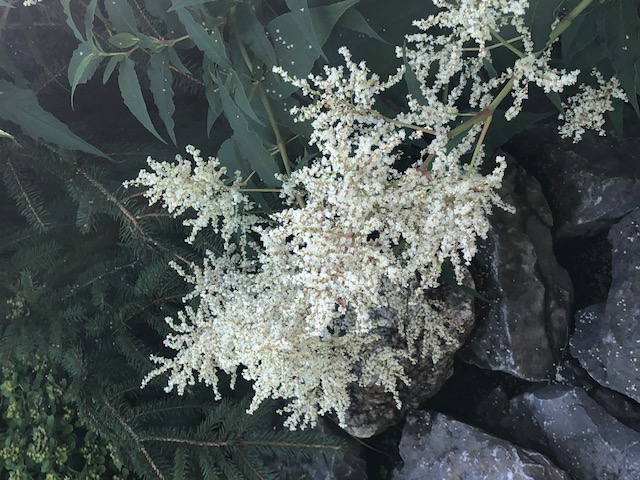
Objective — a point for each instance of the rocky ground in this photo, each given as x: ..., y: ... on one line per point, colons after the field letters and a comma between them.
x: 547, y: 383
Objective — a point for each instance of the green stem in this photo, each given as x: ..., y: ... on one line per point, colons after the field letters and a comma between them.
x: 494, y: 46
x: 566, y: 22
x: 506, y: 44
x: 280, y: 143
x: 476, y: 151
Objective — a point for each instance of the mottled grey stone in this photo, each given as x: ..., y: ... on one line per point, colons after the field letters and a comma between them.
x: 606, y: 341
x: 523, y: 330
x: 589, y: 185
x: 434, y: 446
x: 372, y: 409
x: 576, y: 433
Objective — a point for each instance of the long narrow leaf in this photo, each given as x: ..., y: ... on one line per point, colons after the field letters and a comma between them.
x: 160, y: 82
x: 132, y: 95
x: 21, y: 106
x: 211, y: 45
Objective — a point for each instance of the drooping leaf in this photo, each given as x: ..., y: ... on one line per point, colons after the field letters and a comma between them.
x: 124, y: 40
x: 582, y: 32
x: 556, y: 100
x: 211, y: 92
x: 160, y: 83
x: 5, y: 4
x: 132, y: 95
x: 72, y: 25
x: 83, y: 64
x: 620, y: 27
x: 240, y: 97
x: 248, y: 142
x: 176, y: 62
x: 295, y: 55
x: 413, y: 85
x: 9, y: 67
x: 121, y: 15
x: 21, y: 107
x: 541, y: 14
x: 354, y: 20
x: 303, y: 17
x: 210, y: 44
x: 253, y: 33
x: 90, y: 13
x: 176, y: 4
x: 111, y: 65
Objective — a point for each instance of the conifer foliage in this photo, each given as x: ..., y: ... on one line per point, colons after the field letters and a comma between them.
x: 85, y: 281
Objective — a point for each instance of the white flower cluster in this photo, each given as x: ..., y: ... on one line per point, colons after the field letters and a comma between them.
x: 295, y: 315
x: 30, y: 3
x: 585, y: 110
x: 181, y: 187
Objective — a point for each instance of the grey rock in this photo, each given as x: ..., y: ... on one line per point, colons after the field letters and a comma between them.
x: 576, y: 433
x: 434, y: 446
x: 589, y: 185
x: 606, y: 341
x: 524, y: 329
x: 372, y: 409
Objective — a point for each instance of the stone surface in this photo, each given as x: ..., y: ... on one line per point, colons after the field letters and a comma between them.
x: 372, y: 409
x: 523, y: 329
x: 576, y: 433
x: 606, y: 341
x: 589, y: 185
x: 434, y: 446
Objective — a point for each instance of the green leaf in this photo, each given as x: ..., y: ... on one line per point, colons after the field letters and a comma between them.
x: 253, y: 33
x: 413, y: 85
x: 354, y: 20
x: 620, y: 26
x: 294, y: 54
x: 211, y: 92
x: 111, y: 65
x: 248, y: 142
x: 211, y: 45
x: 123, y: 40
x: 582, y: 32
x: 5, y: 4
x: 302, y: 16
x: 5, y: 134
x: 240, y: 97
x: 83, y: 64
x: 160, y: 83
x: 88, y: 18
x: 488, y: 66
x: 121, y: 15
x: 72, y: 25
x: 132, y: 95
x: 556, y: 100
x: 176, y: 4
x: 176, y: 62
x: 21, y: 107
x: 540, y: 16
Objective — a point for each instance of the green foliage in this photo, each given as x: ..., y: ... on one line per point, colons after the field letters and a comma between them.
x: 43, y: 436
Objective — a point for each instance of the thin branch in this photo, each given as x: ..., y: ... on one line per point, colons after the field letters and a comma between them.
x: 136, y: 438
x: 24, y: 195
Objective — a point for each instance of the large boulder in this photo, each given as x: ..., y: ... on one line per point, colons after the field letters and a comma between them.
x: 576, y: 433
x: 523, y: 329
x: 607, y: 339
x: 435, y: 446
